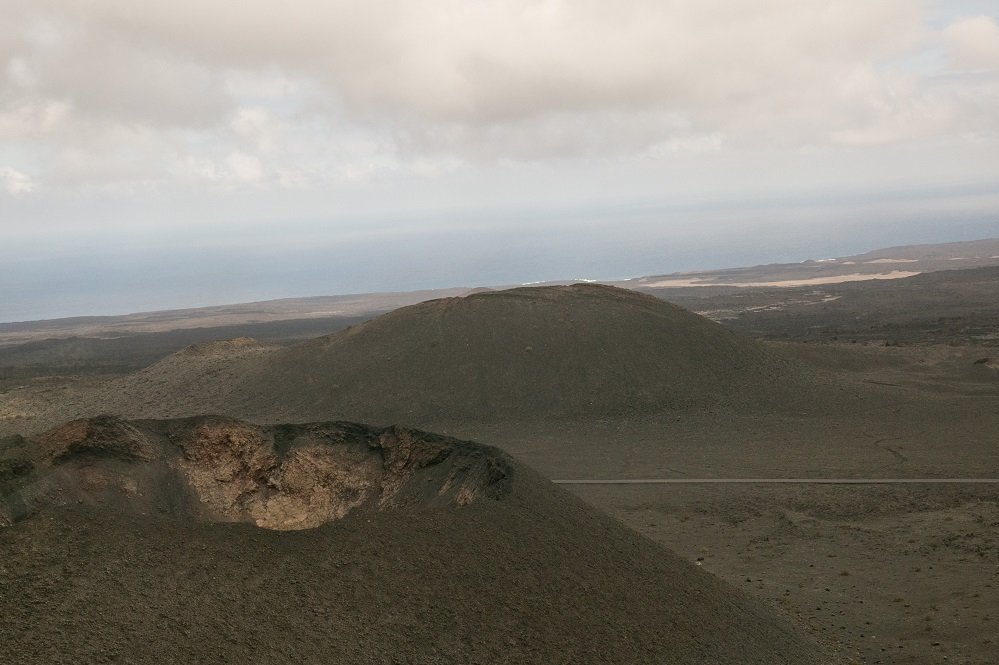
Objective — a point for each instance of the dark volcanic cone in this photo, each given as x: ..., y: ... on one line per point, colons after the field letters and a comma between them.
x: 530, y: 353
x: 136, y: 542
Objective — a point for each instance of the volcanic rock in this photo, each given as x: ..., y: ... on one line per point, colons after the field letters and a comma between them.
x: 142, y: 542
x: 223, y: 470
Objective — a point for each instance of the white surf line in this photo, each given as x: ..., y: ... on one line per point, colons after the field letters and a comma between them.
x: 782, y: 481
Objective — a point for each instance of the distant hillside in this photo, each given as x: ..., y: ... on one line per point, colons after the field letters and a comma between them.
x: 947, y: 306
x: 133, y: 351
x: 239, y: 315
x: 888, y: 262
x: 881, y: 264
x: 526, y: 353
x: 109, y: 344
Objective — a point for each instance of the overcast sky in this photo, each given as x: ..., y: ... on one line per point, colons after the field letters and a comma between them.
x: 159, y: 154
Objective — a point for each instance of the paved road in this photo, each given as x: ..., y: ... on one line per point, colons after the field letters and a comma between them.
x: 782, y: 481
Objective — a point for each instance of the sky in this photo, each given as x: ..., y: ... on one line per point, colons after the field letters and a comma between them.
x: 195, y: 152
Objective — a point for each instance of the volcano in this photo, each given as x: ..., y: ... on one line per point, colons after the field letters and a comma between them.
x: 214, y: 540
x: 564, y: 352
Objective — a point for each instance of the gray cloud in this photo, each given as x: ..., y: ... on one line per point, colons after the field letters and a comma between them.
x: 309, y: 93
x: 457, y: 61
x: 103, y: 75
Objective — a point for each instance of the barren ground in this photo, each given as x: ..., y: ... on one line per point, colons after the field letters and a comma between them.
x: 897, y: 573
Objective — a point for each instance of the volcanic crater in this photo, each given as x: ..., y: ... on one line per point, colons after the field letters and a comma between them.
x: 218, y: 469
x: 141, y: 541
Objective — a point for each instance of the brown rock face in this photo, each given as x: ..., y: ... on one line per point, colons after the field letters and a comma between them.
x: 222, y: 470
x: 100, y: 437
x: 227, y: 465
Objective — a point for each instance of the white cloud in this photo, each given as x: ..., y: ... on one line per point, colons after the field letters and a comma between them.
x: 29, y: 118
x: 258, y: 127
x: 113, y: 158
x: 244, y: 167
x: 690, y: 144
x: 14, y: 182
x: 122, y: 84
x: 974, y: 42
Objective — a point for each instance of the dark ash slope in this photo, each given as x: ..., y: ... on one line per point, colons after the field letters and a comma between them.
x: 522, y: 354
x: 102, y: 570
